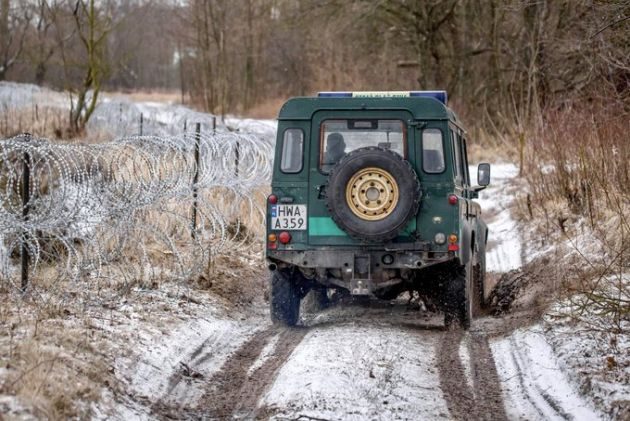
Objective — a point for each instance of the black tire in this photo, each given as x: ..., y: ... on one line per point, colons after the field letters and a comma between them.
x: 409, y: 198
x: 284, y: 299
x: 478, y: 303
x: 458, y: 308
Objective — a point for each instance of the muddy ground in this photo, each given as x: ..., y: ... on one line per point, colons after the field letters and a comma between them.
x: 365, y: 359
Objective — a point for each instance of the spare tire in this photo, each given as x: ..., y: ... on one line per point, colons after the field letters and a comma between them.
x: 372, y: 194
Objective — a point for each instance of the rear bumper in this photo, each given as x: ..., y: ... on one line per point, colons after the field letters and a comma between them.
x: 361, y: 272
x: 350, y: 259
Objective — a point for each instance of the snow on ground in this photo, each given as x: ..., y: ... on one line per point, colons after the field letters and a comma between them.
x: 117, y: 116
x: 169, y: 362
x: 23, y: 95
x: 594, y: 352
x: 357, y: 372
x: 266, y: 128
x: 534, y: 384
x: 504, y: 242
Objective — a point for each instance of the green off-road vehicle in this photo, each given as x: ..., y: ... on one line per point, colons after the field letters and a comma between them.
x: 371, y: 196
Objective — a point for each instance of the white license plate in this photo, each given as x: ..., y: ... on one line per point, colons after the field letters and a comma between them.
x: 288, y: 217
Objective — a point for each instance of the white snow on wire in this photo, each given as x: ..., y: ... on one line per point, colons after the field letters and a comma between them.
x: 534, y: 386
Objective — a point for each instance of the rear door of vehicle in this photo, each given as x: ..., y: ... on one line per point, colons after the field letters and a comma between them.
x: 323, y: 231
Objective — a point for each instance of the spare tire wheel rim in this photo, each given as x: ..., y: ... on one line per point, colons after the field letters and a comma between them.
x: 372, y: 194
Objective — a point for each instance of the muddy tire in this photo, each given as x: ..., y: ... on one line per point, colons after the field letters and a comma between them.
x: 477, y: 292
x: 404, y: 182
x: 284, y: 299
x: 458, y: 308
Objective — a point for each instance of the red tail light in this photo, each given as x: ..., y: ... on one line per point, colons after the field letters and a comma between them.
x: 273, y: 199
x: 284, y: 237
x: 452, y: 199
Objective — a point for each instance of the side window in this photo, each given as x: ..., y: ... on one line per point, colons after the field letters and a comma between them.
x: 459, y: 177
x: 465, y: 161
x: 432, y: 151
x: 292, y: 151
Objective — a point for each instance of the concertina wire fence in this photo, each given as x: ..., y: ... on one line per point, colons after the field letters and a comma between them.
x: 133, y: 210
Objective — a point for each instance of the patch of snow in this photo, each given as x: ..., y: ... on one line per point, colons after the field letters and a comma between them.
x: 464, y: 357
x: 357, y: 372
x: 504, y: 251
x: 266, y: 128
x: 11, y: 407
x: 533, y: 384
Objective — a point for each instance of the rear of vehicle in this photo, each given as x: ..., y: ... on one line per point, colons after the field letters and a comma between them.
x: 370, y: 195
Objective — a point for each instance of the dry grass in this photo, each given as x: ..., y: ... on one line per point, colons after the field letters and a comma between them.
x: 268, y: 109
x: 577, y: 167
x: 39, y: 121
x: 163, y: 96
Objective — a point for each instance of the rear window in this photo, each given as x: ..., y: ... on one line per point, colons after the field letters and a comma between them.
x: 432, y: 151
x: 292, y: 151
x: 340, y: 137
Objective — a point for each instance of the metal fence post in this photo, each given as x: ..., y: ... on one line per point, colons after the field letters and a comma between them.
x: 26, y: 193
x: 195, y: 181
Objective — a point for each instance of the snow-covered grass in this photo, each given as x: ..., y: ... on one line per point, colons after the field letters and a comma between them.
x: 43, y: 112
x: 535, y: 385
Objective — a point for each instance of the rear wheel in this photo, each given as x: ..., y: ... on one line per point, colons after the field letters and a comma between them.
x: 284, y: 299
x: 458, y: 309
x: 477, y: 292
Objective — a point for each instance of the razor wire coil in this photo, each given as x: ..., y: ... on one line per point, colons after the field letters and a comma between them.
x: 118, y: 210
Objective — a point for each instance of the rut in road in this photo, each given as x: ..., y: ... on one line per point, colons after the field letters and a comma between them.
x: 484, y: 400
x: 236, y: 390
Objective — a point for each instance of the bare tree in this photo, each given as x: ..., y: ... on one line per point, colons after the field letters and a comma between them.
x: 14, y: 23
x: 92, y: 26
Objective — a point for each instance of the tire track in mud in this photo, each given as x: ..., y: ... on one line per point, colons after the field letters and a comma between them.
x: 487, y: 384
x: 482, y: 402
x: 535, y: 395
x: 234, y: 392
x: 457, y: 394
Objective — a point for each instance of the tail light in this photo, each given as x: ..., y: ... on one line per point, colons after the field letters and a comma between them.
x: 452, y: 199
x: 272, y: 199
x: 452, y: 243
x: 284, y: 237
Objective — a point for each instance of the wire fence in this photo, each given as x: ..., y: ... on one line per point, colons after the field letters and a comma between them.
x: 128, y: 211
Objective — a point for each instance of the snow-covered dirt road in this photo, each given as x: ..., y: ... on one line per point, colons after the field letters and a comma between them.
x: 371, y: 360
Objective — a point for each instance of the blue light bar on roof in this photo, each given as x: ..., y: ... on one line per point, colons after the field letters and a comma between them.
x: 439, y: 95
x: 334, y: 94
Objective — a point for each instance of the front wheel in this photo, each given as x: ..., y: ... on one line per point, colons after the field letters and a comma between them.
x: 284, y: 299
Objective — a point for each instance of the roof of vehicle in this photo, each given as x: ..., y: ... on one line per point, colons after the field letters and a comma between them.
x: 422, y: 108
